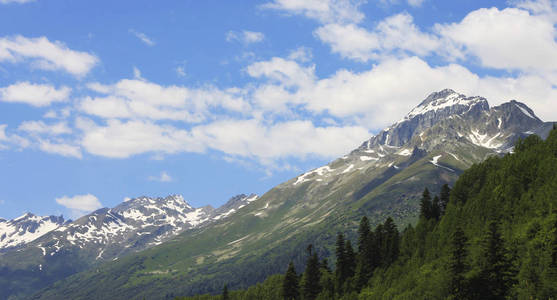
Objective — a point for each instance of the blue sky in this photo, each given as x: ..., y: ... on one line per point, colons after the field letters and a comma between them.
x: 103, y: 100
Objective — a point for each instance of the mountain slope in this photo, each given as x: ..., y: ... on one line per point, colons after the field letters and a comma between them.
x: 25, y: 229
x: 53, y: 250
x: 432, y: 145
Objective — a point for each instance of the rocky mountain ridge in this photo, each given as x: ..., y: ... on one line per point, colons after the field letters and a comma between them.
x: 133, y: 225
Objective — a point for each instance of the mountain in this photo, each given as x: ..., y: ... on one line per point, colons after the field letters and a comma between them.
x: 444, y: 135
x: 495, y: 239
x: 54, y: 249
x: 25, y: 229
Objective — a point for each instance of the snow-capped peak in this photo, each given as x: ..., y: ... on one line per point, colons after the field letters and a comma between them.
x: 26, y: 228
x: 441, y: 100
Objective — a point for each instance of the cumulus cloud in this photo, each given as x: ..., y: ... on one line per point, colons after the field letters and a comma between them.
x: 61, y: 148
x: 34, y: 94
x: 119, y: 139
x: 267, y: 143
x: 301, y: 54
x: 80, y: 204
x: 46, y: 55
x: 324, y: 11
x: 508, y: 39
x: 245, y: 36
x: 7, y: 140
x: 137, y: 98
x: 143, y: 37
x: 395, y: 35
x: 163, y: 177
x: 40, y: 127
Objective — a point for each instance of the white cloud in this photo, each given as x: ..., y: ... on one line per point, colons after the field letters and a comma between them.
x: 11, y: 139
x: 143, y: 37
x: 80, y: 204
x: 46, y: 55
x: 268, y: 143
x: 324, y: 11
x: 253, y: 139
x: 509, y: 39
x: 62, y: 113
x: 39, y: 127
x: 301, y: 54
x: 61, y: 148
x: 350, y: 41
x: 394, y: 35
x: 163, y: 177
x: 415, y: 3
x: 34, y: 94
x: 123, y: 139
x: 246, y: 37
x: 538, y: 7
x: 143, y: 99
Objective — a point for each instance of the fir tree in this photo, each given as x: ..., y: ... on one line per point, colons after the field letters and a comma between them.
x: 290, y: 287
x: 365, y: 257
x: 311, y: 276
x: 325, y: 265
x: 377, y: 245
x: 350, y: 260
x: 457, y: 266
x: 390, y: 242
x: 425, y: 205
x: 436, y: 208
x: 444, y: 198
x: 341, y: 266
x: 225, y: 295
x: 496, y: 276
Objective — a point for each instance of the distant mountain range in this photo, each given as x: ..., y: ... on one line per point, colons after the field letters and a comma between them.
x: 199, y: 250
x: 106, y: 234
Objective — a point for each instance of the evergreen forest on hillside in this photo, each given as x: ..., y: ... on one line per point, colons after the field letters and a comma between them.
x: 492, y: 236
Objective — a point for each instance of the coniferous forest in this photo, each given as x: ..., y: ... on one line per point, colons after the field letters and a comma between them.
x: 493, y: 235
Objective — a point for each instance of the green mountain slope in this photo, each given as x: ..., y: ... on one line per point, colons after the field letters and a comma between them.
x: 438, y: 140
x: 497, y: 239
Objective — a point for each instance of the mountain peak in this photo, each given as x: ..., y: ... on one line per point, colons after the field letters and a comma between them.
x: 446, y: 99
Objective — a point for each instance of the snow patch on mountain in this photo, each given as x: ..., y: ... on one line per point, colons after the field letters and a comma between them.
x: 25, y: 229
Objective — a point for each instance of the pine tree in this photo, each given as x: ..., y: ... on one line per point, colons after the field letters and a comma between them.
x: 391, y: 242
x: 365, y: 256
x: 290, y: 286
x: 457, y: 266
x: 444, y: 198
x: 436, y: 208
x: 377, y: 245
x: 496, y: 270
x: 350, y: 260
x: 425, y: 204
x: 341, y: 266
x: 325, y: 265
x: 225, y: 295
x: 363, y: 234
x: 312, y: 275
